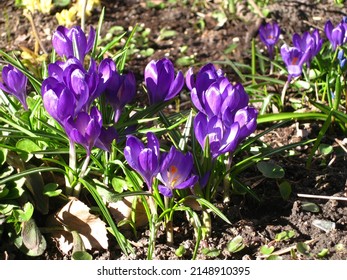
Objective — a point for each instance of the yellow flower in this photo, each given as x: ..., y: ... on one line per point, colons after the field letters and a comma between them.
x: 67, y: 17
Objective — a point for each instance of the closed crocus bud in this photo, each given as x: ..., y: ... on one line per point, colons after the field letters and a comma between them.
x: 247, y: 120
x: 85, y: 129
x: 176, y: 172
x: 106, y: 137
x: 336, y: 35
x: 64, y: 39
x: 160, y: 80
x: 143, y: 159
x: 204, y: 78
x: 14, y: 83
x: 58, y: 100
x: 222, y: 138
x: 269, y: 34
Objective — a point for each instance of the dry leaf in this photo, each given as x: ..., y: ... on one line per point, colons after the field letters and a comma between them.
x: 75, y: 215
x: 121, y: 210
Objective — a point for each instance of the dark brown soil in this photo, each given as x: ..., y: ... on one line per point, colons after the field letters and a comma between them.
x: 257, y: 222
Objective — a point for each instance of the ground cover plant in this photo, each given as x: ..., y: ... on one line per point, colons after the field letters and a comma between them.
x: 177, y: 159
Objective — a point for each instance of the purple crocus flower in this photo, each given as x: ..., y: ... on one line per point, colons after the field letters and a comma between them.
x: 119, y: 89
x: 85, y: 129
x: 106, y: 137
x: 220, y: 99
x: 14, y: 83
x: 176, y: 172
x: 204, y: 78
x: 145, y: 160
x: 247, y: 121
x: 311, y: 42
x: 58, y: 100
x: 222, y: 138
x: 64, y: 38
x: 294, y: 59
x: 269, y: 34
x: 342, y: 58
x: 336, y: 35
x: 160, y: 80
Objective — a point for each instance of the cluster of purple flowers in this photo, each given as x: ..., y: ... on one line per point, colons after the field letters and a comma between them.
x: 70, y: 89
x: 224, y: 118
x: 173, y: 169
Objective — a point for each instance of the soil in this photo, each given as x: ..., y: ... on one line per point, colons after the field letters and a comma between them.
x: 257, y: 222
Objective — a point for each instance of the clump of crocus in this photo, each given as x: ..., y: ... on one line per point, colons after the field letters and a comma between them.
x: 144, y: 159
x: 73, y: 42
x: 224, y: 117
x: 176, y: 172
x: 14, y: 83
x: 269, y: 34
x: 336, y: 34
x: 161, y: 82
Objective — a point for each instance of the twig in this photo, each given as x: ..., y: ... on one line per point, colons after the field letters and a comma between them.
x: 341, y: 144
x: 36, y: 34
x: 322, y: 197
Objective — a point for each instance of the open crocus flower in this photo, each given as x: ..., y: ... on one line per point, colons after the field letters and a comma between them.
x: 222, y: 138
x: 14, y: 83
x: 269, y: 34
x: 64, y: 39
x: 85, y: 129
x: 160, y: 80
x: 176, y: 172
x: 336, y: 35
x: 145, y: 160
x: 294, y: 59
x: 307, y: 41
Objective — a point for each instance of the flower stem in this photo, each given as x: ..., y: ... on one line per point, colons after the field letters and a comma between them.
x: 168, y: 223
x: 286, y: 85
x: 72, y: 164
x: 207, y: 224
x: 77, y: 188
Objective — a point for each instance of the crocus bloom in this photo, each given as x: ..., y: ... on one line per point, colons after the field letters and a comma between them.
x: 119, y: 89
x: 336, y: 35
x: 247, y: 121
x: 222, y: 138
x: 58, y: 100
x: 342, y: 58
x: 220, y: 99
x: 312, y: 43
x: 204, y: 78
x: 106, y: 137
x: 176, y: 172
x: 160, y: 80
x: 145, y: 160
x: 14, y: 83
x: 64, y: 38
x: 85, y: 129
x: 294, y: 59
x: 269, y: 34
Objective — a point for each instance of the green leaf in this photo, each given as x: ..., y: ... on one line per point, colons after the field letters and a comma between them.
x: 274, y: 258
x: 51, y: 190
x: 3, y: 155
x: 325, y: 149
x: 236, y: 244
x: 270, y: 169
x: 266, y: 250
x: 61, y: 3
x: 31, y: 241
x: 180, y: 251
x: 323, y: 253
x: 284, y: 235
x: 310, y: 207
x: 211, y: 252
x: 285, y: 189
x: 209, y: 205
x: 303, y: 248
x: 81, y: 256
